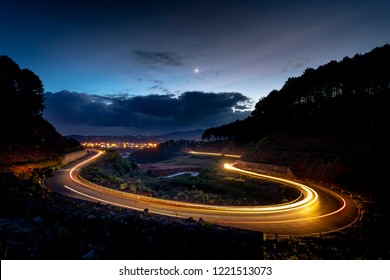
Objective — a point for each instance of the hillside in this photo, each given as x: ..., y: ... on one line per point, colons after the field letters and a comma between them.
x: 27, y: 139
x: 328, y: 125
x: 324, y: 159
x: 34, y: 141
x: 36, y: 223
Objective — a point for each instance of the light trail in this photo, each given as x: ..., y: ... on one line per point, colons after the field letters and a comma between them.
x: 309, y: 195
x: 316, y: 210
x: 214, y: 154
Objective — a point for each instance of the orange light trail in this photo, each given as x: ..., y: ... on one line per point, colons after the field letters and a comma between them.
x: 299, y: 215
x: 309, y: 195
x: 214, y: 154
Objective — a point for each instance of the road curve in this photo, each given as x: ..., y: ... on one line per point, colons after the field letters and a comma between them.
x: 318, y: 210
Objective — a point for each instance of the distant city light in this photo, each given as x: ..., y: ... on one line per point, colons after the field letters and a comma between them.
x: 124, y: 145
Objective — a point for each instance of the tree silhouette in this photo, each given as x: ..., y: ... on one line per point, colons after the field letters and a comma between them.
x: 21, y: 92
x: 346, y: 97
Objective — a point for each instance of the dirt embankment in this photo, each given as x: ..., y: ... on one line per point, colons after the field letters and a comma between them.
x: 160, y: 169
x: 74, y: 156
x: 223, y: 147
x: 317, y: 159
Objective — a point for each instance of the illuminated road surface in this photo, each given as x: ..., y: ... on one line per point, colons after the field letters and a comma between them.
x: 317, y: 210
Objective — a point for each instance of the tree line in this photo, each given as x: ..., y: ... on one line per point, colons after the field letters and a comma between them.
x: 26, y: 136
x: 348, y: 97
x: 21, y: 90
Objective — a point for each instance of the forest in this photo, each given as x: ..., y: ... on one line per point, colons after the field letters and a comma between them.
x: 328, y: 125
x: 26, y: 137
x: 348, y: 97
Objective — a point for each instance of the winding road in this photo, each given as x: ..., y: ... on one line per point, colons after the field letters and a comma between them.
x: 317, y: 210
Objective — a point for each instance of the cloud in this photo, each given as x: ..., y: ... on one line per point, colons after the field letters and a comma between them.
x: 295, y: 63
x: 158, y: 85
x: 159, y: 58
x: 159, y: 113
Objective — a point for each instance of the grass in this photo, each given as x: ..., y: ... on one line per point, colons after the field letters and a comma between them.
x: 214, y: 185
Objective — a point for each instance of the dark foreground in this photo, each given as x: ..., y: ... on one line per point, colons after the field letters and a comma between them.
x: 38, y: 224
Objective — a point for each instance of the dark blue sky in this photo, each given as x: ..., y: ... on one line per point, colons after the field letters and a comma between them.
x: 125, y: 67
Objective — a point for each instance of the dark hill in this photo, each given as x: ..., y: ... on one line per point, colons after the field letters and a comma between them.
x: 26, y: 137
x: 34, y: 141
x: 329, y: 125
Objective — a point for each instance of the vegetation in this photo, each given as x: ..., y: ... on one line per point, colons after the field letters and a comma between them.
x: 27, y: 139
x: 346, y: 97
x: 164, y: 151
x: 38, y: 224
x: 328, y: 125
x: 213, y: 184
x: 22, y: 90
x: 334, y: 116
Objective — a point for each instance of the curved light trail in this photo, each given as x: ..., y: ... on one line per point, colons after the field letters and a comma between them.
x: 317, y: 210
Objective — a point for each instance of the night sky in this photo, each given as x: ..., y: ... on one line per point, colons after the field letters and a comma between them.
x: 150, y: 67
